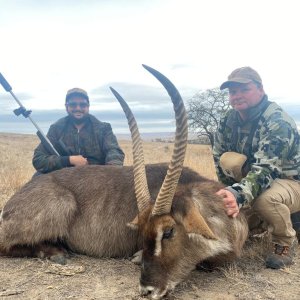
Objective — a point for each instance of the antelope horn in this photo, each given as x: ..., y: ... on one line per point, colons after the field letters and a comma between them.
x: 140, y: 180
x: 165, y: 196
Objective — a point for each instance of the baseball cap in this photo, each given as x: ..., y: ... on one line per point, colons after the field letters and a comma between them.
x: 77, y: 92
x: 241, y: 75
x: 232, y: 165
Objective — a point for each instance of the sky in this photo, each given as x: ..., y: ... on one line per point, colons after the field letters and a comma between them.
x: 48, y: 47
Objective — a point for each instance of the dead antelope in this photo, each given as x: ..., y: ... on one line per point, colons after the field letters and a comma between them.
x: 172, y: 213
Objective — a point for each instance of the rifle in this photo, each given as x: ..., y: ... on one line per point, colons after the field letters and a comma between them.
x: 26, y: 113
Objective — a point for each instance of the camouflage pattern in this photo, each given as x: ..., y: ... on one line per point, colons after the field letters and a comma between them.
x: 95, y: 141
x: 273, y: 152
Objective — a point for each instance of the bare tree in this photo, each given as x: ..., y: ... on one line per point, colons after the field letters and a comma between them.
x: 205, y: 109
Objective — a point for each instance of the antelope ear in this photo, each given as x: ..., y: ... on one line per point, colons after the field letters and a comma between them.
x: 194, y: 223
x: 134, y: 224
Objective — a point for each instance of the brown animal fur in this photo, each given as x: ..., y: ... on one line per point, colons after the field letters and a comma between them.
x: 57, y: 206
x: 190, y: 243
x: 88, y: 208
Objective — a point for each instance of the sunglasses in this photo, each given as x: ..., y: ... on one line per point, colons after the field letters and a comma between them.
x: 75, y: 104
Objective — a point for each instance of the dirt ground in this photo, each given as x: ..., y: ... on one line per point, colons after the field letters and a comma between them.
x: 91, y: 278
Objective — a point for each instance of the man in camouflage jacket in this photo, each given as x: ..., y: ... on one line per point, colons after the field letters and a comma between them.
x: 257, y: 155
x: 79, y: 138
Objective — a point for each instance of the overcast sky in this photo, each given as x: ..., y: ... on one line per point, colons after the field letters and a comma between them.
x: 48, y: 47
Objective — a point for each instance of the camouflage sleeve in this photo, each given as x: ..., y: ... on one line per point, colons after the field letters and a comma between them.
x: 276, y: 140
x: 45, y: 163
x: 114, y: 155
x: 218, y: 149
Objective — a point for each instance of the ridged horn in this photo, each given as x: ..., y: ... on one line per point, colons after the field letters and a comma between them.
x: 140, y: 180
x: 165, y: 196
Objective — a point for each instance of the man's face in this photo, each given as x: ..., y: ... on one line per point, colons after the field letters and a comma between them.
x: 77, y: 108
x: 243, y: 96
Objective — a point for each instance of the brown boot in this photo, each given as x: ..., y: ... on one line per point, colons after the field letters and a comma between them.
x: 282, y: 256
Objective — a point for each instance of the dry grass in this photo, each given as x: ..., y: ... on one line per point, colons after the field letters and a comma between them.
x: 92, y: 278
x: 15, y: 160
x: 198, y: 157
x: 16, y: 154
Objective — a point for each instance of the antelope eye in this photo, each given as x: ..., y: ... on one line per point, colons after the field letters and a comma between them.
x: 168, y: 233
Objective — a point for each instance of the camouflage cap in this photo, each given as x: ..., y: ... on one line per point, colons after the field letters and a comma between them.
x: 232, y: 165
x: 77, y: 92
x: 241, y: 75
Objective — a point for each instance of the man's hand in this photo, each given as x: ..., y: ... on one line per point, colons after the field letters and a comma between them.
x: 230, y: 203
x: 78, y: 160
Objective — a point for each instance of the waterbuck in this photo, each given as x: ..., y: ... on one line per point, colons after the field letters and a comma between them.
x: 169, y: 212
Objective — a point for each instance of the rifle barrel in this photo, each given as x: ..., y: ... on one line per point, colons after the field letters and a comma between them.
x: 8, y: 88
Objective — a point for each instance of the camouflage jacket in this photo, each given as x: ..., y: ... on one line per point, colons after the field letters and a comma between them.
x: 271, y: 142
x: 95, y: 141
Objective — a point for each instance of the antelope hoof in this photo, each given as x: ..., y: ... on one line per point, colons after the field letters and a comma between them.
x: 137, y: 257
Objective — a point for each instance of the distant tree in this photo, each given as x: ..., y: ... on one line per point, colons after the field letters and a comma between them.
x: 205, y: 109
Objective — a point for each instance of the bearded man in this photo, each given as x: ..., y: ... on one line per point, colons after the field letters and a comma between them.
x: 80, y: 138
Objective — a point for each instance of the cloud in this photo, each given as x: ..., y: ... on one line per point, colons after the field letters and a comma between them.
x: 134, y: 94
x: 139, y: 97
x: 179, y: 66
x: 56, y: 45
x: 147, y: 121
x: 8, y: 103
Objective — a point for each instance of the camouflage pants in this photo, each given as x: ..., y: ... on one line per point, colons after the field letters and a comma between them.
x: 275, y: 207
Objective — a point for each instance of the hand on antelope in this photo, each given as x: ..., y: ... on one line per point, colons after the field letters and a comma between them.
x: 230, y: 203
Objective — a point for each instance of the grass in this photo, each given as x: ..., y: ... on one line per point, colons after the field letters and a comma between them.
x: 245, y: 278
x: 16, y: 152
